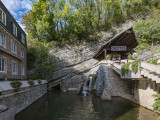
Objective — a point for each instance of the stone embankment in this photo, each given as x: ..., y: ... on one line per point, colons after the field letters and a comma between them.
x: 11, y: 103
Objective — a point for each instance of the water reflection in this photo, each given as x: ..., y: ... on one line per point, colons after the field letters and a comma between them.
x: 69, y: 106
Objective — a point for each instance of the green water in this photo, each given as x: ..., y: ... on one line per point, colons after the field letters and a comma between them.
x: 69, y: 106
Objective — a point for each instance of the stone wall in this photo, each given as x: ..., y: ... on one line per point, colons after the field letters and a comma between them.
x: 18, y: 101
x: 108, y: 79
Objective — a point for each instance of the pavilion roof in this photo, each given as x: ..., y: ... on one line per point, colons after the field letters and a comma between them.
x: 125, y: 38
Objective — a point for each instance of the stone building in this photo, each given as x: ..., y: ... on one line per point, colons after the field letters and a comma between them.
x: 13, y: 47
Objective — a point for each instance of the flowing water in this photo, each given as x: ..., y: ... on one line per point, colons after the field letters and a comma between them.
x: 69, y: 106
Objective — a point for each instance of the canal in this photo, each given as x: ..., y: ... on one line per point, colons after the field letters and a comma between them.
x: 69, y: 106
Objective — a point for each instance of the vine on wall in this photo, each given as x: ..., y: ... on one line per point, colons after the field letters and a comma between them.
x: 108, y: 57
x: 135, y: 65
x: 125, y: 69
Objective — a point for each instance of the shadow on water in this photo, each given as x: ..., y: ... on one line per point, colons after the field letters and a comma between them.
x: 69, y: 106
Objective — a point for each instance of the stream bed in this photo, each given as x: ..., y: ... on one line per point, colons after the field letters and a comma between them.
x: 56, y: 105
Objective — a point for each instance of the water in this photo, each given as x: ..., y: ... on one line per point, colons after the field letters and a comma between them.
x: 69, y: 106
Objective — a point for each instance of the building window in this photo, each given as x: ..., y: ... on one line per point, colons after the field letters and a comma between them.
x: 2, y: 64
x: 22, y: 38
x: 22, y: 69
x: 14, y: 47
x: 2, y: 40
x: 14, y: 29
x: 2, y: 17
x: 14, y: 67
x: 22, y: 53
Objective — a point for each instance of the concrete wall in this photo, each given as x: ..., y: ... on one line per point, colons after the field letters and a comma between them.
x: 18, y: 101
x: 144, y: 91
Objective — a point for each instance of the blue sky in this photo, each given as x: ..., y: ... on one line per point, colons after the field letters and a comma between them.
x: 18, y: 7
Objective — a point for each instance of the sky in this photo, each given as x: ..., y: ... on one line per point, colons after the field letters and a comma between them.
x: 17, y: 8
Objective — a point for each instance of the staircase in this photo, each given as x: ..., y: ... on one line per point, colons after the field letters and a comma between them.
x: 151, y: 75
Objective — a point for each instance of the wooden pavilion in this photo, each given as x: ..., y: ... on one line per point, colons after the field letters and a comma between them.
x: 119, y: 46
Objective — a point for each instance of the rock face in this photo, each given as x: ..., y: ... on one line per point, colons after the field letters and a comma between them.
x: 3, y: 108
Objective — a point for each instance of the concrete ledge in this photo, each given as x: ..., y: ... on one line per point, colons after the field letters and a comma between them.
x: 6, y: 88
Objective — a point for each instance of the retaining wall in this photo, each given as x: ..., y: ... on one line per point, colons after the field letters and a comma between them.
x: 18, y: 101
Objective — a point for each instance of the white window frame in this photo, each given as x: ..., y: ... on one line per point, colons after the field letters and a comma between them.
x: 14, y: 29
x: 4, y: 22
x: 22, y: 52
x: 3, y: 40
x: 12, y: 47
x: 16, y: 67
x: 5, y: 64
x: 22, y: 38
x: 22, y: 69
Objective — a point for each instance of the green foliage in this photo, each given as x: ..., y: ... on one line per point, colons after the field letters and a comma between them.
x: 156, y: 105
x: 59, y: 20
x: 108, y: 57
x: 40, y: 81
x: 129, y: 57
x: 154, y: 61
x: 31, y: 82
x: 148, y: 31
x: 135, y: 65
x: 16, y: 84
x: 38, y: 58
x: 125, y: 69
x: 143, y: 46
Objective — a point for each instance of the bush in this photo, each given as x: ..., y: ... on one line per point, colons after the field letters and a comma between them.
x: 31, y: 82
x: 16, y: 84
x: 156, y: 105
x: 108, y: 57
x: 40, y: 81
x: 154, y: 61
x: 129, y: 57
x: 125, y: 69
x: 135, y: 65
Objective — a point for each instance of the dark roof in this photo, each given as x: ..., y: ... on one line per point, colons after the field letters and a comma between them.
x: 125, y: 38
x: 9, y: 25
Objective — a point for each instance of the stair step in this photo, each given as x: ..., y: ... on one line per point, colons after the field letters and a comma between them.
x: 150, y: 76
x: 158, y: 80
x: 154, y: 78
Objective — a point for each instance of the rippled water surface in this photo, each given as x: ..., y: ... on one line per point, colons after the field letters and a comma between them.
x: 69, y: 106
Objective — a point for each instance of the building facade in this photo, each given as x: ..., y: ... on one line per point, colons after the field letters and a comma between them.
x: 13, y: 47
